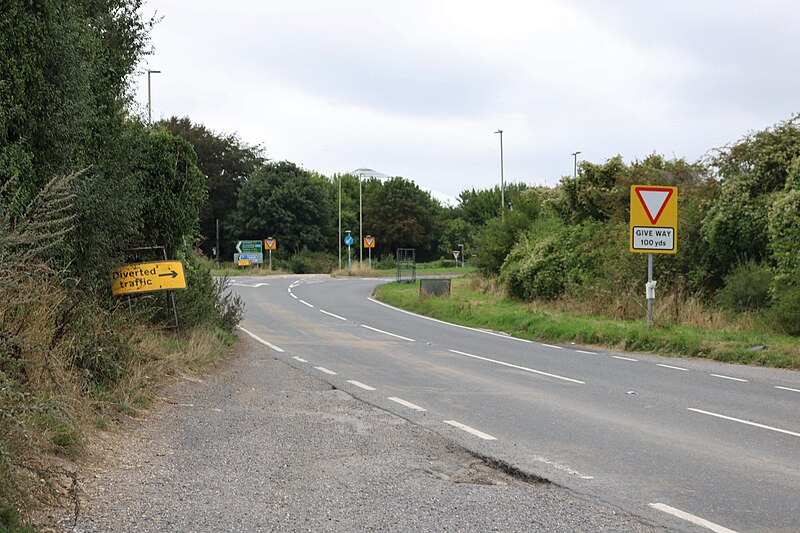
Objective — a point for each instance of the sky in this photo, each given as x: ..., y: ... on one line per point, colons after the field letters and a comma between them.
x: 417, y: 88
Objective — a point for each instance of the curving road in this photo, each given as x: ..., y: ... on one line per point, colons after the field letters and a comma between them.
x: 690, y: 444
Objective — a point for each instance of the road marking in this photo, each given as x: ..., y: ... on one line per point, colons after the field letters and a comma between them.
x: 553, y: 346
x: 387, y: 333
x: 559, y: 466
x: 502, y: 335
x: 672, y: 367
x: 691, y: 518
x: 290, y: 288
x: 247, y: 285
x: 359, y: 384
x: 293, y: 295
x: 526, y: 369
x: 584, y: 351
x: 459, y: 425
x: 787, y: 388
x: 728, y: 377
x: 325, y: 370
x: 262, y: 341
x: 625, y: 358
x: 407, y: 404
x: 331, y: 314
x: 306, y: 304
x: 755, y: 424
x: 300, y: 359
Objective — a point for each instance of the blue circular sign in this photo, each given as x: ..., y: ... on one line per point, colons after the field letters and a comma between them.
x: 348, y: 240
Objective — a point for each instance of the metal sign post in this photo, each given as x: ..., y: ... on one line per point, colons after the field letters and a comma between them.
x: 348, y: 240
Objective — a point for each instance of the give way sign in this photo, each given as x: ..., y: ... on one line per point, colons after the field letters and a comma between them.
x: 654, y: 219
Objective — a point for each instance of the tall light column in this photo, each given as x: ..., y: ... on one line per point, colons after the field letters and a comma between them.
x: 502, y: 178
x: 149, y: 97
x: 360, y: 225
x: 575, y: 164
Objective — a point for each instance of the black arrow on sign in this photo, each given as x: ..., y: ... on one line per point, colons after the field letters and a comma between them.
x: 171, y: 273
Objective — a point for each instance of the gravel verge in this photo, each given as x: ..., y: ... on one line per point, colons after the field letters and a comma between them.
x: 261, y: 446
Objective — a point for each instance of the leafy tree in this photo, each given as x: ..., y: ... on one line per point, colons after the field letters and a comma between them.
x: 227, y: 162
x: 401, y: 215
x: 286, y: 202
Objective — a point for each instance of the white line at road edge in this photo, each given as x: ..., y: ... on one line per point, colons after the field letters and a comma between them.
x: 691, y: 518
x: 501, y: 335
x: 325, y: 370
x: 754, y: 424
x: 584, y: 351
x: 293, y: 295
x: 407, y: 404
x: 553, y: 346
x: 473, y: 431
x: 306, y: 303
x: 331, y: 314
x: 262, y: 341
x: 387, y: 333
x: 526, y: 369
x: 672, y: 367
x: 625, y: 358
x: 729, y: 377
x: 359, y: 384
x: 300, y: 359
x: 787, y: 388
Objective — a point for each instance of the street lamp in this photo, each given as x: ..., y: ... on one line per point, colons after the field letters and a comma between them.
x: 575, y: 167
x: 502, y: 179
x: 462, y: 254
x: 149, y: 99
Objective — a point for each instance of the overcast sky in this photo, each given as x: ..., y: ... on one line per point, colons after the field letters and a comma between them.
x: 417, y: 88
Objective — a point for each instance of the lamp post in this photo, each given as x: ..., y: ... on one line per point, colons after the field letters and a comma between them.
x: 575, y: 164
x: 502, y: 178
x: 360, y: 225
x: 149, y: 98
x: 462, y: 254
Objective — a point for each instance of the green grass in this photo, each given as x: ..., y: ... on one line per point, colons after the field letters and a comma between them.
x: 540, y: 322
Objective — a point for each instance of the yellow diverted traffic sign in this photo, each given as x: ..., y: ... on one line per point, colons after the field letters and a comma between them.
x: 147, y: 277
x: 654, y: 219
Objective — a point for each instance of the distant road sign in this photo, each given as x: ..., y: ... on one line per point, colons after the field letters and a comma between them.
x: 654, y: 219
x: 271, y: 243
x: 369, y: 241
x: 147, y: 277
x: 254, y: 258
x: 348, y: 240
x: 456, y: 254
x: 249, y: 247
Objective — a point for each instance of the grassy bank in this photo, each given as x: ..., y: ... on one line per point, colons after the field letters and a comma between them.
x: 469, y: 305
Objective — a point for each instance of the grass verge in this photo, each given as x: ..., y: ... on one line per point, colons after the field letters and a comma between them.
x: 472, y: 307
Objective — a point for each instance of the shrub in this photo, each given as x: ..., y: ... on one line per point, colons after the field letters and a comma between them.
x: 305, y: 262
x: 786, y: 308
x: 746, y: 288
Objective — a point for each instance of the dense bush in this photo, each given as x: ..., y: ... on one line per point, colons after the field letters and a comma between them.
x: 746, y: 288
x: 306, y: 262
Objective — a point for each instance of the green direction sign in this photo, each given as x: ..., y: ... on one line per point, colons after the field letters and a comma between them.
x: 250, y: 247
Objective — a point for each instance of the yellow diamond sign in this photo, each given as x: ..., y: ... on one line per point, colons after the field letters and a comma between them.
x: 654, y: 219
x: 147, y: 277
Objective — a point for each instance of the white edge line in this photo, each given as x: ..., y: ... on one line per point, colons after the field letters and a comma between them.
x: 691, y: 518
x: 625, y: 358
x: 407, y: 404
x: 387, y: 333
x: 306, y: 303
x: 289, y: 290
x: 747, y: 422
x: 492, y: 333
x: 787, y: 388
x: 300, y: 359
x: 359, y: 384
x: 672, y: 367
x: 293, y: 295
x: 584, y: 351
x: 331, y: 314
x: 325, y: 370
x: 729, y: 377
x: 552, y: 346
x: 463, y: 427
x: 262, y: 341
x: 526, y: 369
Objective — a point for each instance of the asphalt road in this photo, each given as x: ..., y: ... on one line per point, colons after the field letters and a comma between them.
x: 691, y: 444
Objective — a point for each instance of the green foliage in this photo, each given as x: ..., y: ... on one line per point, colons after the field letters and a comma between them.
x: 286, y: 202
x: 306, y: 262
x: 784, y: 227
x: 206, y: 301
x: 497, y: 237
x: 10, y: 522
x: 786, y: 307
x: 746, y: 288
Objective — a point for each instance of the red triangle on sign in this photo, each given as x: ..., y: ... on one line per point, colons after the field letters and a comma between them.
x: 654, y: 200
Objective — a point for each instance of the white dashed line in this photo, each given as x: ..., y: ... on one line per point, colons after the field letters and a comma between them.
x: 787, y: 388
x: 262, y: 341
x: 584, y: 351
x: 407, y: 404
x: 387, y: 333
x: 552, y: 346
x: 293, y: 295
x: 289, y: 289
x: 325, y: 370
x: 300, y: 359
x: 306, y: 303
x: 473, y: 431
x: 747, y: 422
x: 625, y: 358
x: 728, y: 377
x: 526, y: 369
x: 359, y: 384
x: 691, y: 518
x: 672, y: 367
x: 331, y: 314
